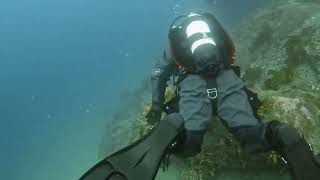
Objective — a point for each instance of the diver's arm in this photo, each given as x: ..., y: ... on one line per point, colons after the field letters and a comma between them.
x: 160, y: 75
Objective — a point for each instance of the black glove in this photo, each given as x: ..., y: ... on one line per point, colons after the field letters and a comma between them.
x: 154, y: 114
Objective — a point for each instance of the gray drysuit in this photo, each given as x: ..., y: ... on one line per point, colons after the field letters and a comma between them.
x: 233, y: 107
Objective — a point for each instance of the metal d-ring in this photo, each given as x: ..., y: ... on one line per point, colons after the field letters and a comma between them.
x: 212, y: 93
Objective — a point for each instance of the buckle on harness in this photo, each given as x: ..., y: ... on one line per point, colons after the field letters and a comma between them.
x: 182, y: 71
x: 212, y: 93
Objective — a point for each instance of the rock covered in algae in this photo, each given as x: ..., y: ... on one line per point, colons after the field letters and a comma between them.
x: 280, y: 46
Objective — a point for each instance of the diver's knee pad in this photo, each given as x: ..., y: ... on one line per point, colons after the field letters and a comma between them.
x: 294, y: 149
x: 189, y: 144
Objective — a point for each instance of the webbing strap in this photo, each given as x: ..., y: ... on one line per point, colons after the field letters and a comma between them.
x: 212, y: 92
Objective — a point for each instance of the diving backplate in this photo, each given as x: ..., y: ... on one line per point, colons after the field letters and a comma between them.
x: 140, y: 160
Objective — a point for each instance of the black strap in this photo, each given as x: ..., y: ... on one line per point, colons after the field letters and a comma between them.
x: 181, y: 76
x: 212, y: 92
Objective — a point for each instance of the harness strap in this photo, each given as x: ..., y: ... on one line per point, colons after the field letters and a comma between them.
x: 212, y: 91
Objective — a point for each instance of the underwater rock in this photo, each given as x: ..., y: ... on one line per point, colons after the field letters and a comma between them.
x: 300, y: 109
x: 281, y: 38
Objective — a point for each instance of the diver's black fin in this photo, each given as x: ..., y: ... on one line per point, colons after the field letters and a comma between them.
x: 140, y: 160
x: 302, y: 162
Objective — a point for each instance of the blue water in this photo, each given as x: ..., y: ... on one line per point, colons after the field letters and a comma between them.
x: 64, y: 65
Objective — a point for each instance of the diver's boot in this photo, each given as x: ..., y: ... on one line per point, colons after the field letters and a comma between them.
x: 189, y: 143
x: 296, y: 152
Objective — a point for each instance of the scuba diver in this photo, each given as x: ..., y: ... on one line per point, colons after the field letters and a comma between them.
x: 202, y: 57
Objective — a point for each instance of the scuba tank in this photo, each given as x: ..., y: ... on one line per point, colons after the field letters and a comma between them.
x: 199, y: 44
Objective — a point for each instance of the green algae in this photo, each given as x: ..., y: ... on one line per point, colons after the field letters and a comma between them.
x: 251, y: 75
x: 265, y: 110
x: 296, y: 48
x: 279, y: 78
x: 297, y: 55
x: 263, y: 37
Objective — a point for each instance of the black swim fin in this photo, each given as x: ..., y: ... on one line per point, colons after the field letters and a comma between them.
x: 296, y: 153
x: 302, y: 162
x: 140, y: 160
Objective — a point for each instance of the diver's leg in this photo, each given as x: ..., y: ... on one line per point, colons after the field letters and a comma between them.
x: 294, y: 149
x: 236, y: 113
x: 196, y: 109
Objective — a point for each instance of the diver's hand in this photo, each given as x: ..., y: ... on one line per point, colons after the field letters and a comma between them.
x: 154, y: 114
